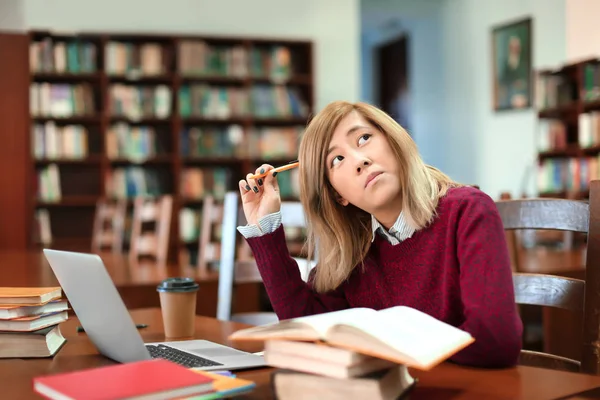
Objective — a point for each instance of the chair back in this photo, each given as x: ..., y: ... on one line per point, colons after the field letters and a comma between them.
x: 155, y: 242
x: 561, y: 292
x: 109, y: 225
x: 209, y: 249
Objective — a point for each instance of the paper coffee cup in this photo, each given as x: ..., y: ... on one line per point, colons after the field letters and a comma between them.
x: 178, y: 306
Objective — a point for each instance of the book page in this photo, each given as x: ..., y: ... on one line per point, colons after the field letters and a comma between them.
x: 312, y: 327
x: 322, y: 322
x: 412, y: 332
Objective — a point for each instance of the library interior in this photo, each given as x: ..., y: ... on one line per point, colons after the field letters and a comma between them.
x: 129, y: 129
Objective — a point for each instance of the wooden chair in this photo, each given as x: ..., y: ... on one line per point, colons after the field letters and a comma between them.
x: 560, y: 292
x: 153, y: 243
x: 109, y: 225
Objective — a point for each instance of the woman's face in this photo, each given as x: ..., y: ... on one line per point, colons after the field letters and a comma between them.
x: 362, y: 168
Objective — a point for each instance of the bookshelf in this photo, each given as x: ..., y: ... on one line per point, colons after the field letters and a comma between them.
x: 118, y: 115
x: 568, y: 100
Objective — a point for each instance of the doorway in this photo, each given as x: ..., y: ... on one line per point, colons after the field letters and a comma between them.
x: 392, y: 80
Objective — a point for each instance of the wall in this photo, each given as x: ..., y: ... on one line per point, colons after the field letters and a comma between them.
x: 583, y: 35
x: 333, y: 25
x: 383, y: 20
x: 455, y: 127
x: 12, y: 15
x: 493, y: 150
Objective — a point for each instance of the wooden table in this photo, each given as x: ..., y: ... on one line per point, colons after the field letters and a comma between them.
x: 135, y: 281
x: 447, y: 381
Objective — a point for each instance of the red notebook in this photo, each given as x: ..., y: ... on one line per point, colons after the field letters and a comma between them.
x: 153, y: 379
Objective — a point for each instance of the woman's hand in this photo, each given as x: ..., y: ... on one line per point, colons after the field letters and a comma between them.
x: 260, y: 197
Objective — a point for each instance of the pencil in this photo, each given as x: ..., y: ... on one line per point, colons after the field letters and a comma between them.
x: 292, y: 164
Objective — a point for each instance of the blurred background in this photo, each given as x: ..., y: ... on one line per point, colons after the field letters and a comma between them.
x: 109, y: 107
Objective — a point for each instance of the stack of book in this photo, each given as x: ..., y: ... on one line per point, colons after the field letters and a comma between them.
x: 356, y: 353
x: 29, y: 321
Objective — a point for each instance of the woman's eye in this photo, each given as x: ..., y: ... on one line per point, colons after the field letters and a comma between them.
x: 336, y: 159
x: 363, y: 138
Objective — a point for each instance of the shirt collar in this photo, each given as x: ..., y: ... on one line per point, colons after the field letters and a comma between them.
x: 401, y: 229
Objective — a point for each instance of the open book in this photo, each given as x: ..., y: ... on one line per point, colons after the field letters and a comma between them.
x: 399, y: 334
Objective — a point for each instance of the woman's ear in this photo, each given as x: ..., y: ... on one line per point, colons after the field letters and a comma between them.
x: 341, y: 200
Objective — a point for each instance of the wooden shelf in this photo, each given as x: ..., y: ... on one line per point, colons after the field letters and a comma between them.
x: 141, y: 80
x: 244, y: 120
x: 140, y: 121
x: 84, y: 119
x: 217, y: 80
x: 71, y: 201
x: 559, y: 112
x: 156, y: 160
x: 84, y: 180
x: 66, y: 77
x: 570, y: 86
x: 591, y: 106
x: 570, y: 152
x: 89, y: 160
x: 213, y: 160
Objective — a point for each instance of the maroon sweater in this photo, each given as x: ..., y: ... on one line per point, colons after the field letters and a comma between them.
x: 456, y: 270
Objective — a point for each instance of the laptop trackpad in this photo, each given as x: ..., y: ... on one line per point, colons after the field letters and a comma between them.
x: 207, y: 349
x: 217, y: 352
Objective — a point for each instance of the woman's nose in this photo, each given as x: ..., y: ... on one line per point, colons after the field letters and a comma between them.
x: 362, y: 163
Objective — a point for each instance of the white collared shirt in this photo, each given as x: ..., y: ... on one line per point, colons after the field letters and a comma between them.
x: 399, y: 232
x: 269, y: 223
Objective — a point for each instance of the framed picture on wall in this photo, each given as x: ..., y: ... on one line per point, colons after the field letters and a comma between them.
x: 511, y: 61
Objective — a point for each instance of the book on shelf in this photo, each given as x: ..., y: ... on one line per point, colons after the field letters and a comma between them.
x: 128, y: 182
x: 196, y: 183
x: 399, y: 334
x: 567, y: 174
x: 198, y: 58
x: 59, y: 142
x: 61, y: 56
x: 136, y: 101
x: 552, y: 135
x: 554, y: 91
x: 136, y: 143
x: 591, y: 82
x: 61, y: 100
x: 134, y: 60
x: 48, y: 185
x: 589, y: 129
x: 42, y: 230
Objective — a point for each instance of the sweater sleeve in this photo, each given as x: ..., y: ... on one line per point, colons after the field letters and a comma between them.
x: 290, y: 296
x: 488, y: 298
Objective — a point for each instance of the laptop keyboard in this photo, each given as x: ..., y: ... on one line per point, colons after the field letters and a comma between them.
x: 180, y: 357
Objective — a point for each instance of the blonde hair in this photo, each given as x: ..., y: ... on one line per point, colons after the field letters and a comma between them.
x: 342, y: 235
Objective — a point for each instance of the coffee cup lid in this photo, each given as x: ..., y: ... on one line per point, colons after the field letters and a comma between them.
x: 177, y: 285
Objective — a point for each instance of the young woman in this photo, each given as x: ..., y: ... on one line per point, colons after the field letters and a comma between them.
x: 388, y: 230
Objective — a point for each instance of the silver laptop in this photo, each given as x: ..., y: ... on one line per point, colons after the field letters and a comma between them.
x: 103, y: 315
